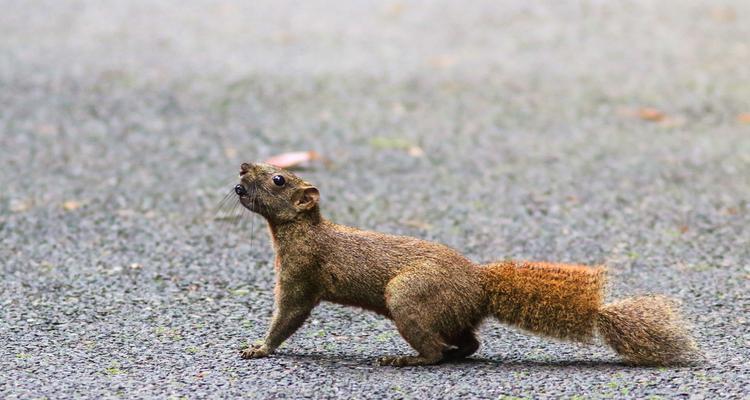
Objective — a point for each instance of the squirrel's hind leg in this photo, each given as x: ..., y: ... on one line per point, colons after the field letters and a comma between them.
x: 428, y: 345
x: 465, y: 343
x: 414, y: 318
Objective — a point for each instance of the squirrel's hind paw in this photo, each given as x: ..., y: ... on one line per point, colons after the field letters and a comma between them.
x: 405, y: 361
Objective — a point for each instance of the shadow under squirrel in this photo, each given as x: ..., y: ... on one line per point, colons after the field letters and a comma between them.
x: 435, y: 296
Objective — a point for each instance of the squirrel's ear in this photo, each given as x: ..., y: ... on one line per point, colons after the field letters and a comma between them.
x: 309, y: 198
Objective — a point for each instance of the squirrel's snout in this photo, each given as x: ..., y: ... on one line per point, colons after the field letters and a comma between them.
x: 245, y: 168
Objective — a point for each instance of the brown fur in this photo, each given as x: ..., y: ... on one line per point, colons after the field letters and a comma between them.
x: 434, y: 295
x: 647, y: 330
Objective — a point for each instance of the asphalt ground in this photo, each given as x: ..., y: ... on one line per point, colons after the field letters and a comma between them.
x: 591, y: 132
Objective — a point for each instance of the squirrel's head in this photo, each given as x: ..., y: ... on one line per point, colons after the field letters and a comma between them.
x: 276, y: 194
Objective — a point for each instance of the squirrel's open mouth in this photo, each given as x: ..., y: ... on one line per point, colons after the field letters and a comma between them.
x: 248, y: 198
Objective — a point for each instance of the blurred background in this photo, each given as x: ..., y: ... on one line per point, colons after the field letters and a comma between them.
x: 580, y: 131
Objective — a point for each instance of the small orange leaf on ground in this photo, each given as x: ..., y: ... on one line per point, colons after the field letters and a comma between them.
x: 723, y: 14
x: 283, y: 38
x: 394, y: 10
x: 744, y: 118
x: 415, y: 151
x: 18, y: 206
x: 650, y: 114
x: 46, y: 129
x: 230, y: 152
x: 293, y: 159
x: 443, y: 61
x: 71, y: 205
x: 732, y: 211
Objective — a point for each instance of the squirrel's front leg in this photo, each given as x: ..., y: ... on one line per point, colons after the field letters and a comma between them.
x: 293, y: 305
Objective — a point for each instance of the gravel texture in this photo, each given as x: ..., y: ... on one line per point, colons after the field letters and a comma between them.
x: 122, y: 125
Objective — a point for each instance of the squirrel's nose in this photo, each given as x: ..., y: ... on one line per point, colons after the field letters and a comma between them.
x: 245, y: 168
x: 240, y: 190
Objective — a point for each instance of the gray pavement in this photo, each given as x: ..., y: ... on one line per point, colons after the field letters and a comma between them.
x: 122, y: 125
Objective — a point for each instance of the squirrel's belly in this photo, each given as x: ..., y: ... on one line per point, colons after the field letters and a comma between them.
x: 355, y: 291
x: 378, y: 308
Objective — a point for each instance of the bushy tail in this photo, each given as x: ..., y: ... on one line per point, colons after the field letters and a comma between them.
x: 647, y: 330
x: 556, y: 300
x: 566, y: 302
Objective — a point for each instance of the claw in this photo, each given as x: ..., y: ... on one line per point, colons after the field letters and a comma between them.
x: 254, y: 351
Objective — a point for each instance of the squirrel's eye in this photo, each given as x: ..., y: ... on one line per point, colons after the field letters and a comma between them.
x: 279, y: 180
x: 240, y: 190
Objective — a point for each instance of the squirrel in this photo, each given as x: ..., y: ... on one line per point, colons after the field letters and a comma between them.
x: 434, y: 295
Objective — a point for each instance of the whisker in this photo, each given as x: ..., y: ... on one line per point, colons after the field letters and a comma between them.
x: 252, y: 230
x: 231, y: 210
x: 220, y: 212
x: 228, y: 210
x: 234, y: 215
x: 223, y: 202
x: 261, y: 209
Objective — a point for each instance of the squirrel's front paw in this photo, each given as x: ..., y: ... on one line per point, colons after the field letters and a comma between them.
x: 255, y: 351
